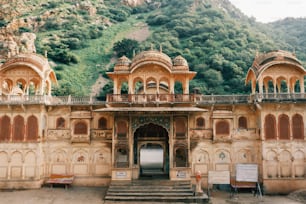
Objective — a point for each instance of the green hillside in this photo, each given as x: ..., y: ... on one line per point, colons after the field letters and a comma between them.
x: 217, y: 40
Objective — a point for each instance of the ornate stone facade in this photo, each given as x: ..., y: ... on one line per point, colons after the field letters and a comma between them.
x: 99, y: 141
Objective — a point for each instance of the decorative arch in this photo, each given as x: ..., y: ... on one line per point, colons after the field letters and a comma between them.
x: 299, y: 158
x: 102, y: 123
x: 18, y: 128
x: 271, y: 164
x: 80, y: 156
x: 4, y: 159
x: 5, y: 128
x: 297, y: 127
x: 285, y: 159
x: 60, y: 123
x: 282, y: 84
x: 122, y: 156
x: 22, y: 84
x: 32, y: 128
x: 164, y: 85
x: 16, y: 158
x: 244, y: 156
x: 222, y: 156
x: 140, y: 121
x: 283, y: 127
x: 268, y: 84
x: 200, y: 122
x: 102, y: 156
x: 295, y: 84
x: 242, y: 122
x: 7, y: 86
x: 30, y: 158
x: 59, y: 156
x: 151, y: 83
x: 180, y: 155
x: 270, y: 127
x: 138, y: 85
x: 122, y: 128
x: 201, y: 156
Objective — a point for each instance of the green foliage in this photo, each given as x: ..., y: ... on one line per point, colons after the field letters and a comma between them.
x: 3, y: 23
x: 107, y: 89
x: 64, y: 89
x: 24, y: 30
x: 126, y: 47
x: 219, y: 44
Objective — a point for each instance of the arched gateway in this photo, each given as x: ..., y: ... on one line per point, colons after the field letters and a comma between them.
x: 151, y: 151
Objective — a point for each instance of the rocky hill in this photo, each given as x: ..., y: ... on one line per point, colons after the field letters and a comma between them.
x: 78, y: 36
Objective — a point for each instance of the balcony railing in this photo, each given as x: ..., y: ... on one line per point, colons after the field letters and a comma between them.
x: 151, y: 99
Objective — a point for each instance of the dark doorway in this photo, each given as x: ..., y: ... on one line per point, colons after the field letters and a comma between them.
x: 151, y: 151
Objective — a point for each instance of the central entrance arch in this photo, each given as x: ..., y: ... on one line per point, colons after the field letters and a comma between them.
x: 151, y: 151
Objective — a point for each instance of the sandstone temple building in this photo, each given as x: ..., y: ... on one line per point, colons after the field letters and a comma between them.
x: 152, y: 130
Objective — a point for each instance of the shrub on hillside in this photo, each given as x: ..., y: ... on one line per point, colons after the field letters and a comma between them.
x: 126, y: 47
x: 119, y: 14
x: 158, y: 20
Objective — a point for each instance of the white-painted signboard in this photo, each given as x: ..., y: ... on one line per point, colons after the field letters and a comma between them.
x: 181, y: 174
x: 247, y: 172
x: 218, y: 177
x: 121, y: 174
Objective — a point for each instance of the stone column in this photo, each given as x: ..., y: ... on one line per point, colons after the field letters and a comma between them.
x: 302, y: 85
x: 186, y: 86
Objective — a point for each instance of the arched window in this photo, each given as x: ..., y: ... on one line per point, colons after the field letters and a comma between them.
x: 32, y: 128
x: 80, y: 128
x: 283, y: 127
x: 121, y: 129
x: 297, y: 127
x: 5, y: 128
x: 122, y: 157
x: 60, y: 123
x: 180, y: 127
x: 102, y: 123
x: 222, y: 128
x: 270, y: 127
x: 242, y: 122
x: 18, y: 128
x: 200, y: 122
x: 181, y: 156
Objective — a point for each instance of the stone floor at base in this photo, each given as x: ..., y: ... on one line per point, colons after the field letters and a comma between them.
x: 95, y: 195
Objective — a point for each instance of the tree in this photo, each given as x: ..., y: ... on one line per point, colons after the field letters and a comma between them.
x: 126, y: 47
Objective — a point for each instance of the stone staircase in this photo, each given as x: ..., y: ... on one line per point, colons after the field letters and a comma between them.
x: 153, y: 191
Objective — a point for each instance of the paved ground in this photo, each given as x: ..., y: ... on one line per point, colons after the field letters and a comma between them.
x: 91, y: 195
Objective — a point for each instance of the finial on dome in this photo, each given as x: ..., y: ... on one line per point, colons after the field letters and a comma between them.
x: 160, y: 48
x: 151, y: 46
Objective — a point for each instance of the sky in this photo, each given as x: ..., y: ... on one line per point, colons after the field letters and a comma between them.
x: 271, y: 10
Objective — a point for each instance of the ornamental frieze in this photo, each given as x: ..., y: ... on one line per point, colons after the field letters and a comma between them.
x: 140, y: 121
x: 58, y: 134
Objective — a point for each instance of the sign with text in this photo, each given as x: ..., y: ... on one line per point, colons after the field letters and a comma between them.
x: 247, y: 172
x: 181, y: 174
x: 121, y: 174
x: 218, y: 177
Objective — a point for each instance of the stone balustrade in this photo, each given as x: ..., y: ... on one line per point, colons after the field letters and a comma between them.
x: 150, y: 98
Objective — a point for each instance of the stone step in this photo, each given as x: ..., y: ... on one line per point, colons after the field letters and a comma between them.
x: 153, y: 191
x: 150, y: 193
x: 144, y: 189
x: 183, y: 199
x: 150, y: 183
